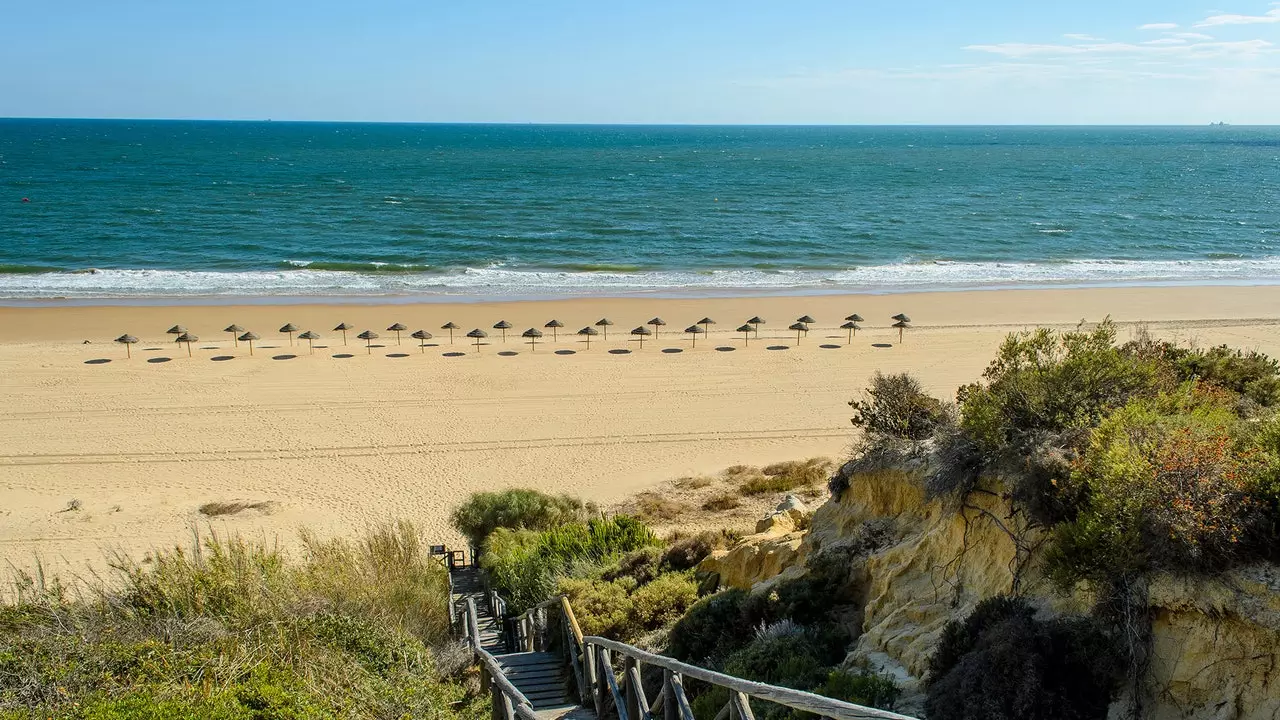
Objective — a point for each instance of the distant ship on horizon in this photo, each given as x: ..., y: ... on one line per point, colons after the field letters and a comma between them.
x: 1219, y: 124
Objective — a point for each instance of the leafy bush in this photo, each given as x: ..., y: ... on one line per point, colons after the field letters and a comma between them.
x: 234, y: 629
x: 1003, y: 664
x: 861, y: 687
x: 524, y: 566
x: 621, y: 610
x: 897, y: 406
x: 1251, y: 374
x: 712, y: 627
x: 1169, y: 487
x: 663, y: 601
x: 517, y: 509
x: 1047, y: 382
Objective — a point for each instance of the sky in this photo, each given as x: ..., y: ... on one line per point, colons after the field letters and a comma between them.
x: 657, y: 61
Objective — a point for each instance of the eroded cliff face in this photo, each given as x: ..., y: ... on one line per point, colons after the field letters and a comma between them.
x: 1215, y: 646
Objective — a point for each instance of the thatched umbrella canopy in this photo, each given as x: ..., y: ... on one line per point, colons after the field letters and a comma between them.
x: 478, y: 335
x: 555, y: 326
x: 589, y: 332
x: 249, y: 337
x: 344, y: 328
x: 756, y: 322
x: 855, y: 318
x: 310, y: 336
x: 604, y: 323
x: 450, y: 326
x: 746, y: 334
x: 126, y: 340
x: 368, y: 336
x: 641, y: 332
x: 852, y: 327
x: 187, y: 338
x: 799, y: 328
x: 422, y: 336
x: 901, y: 325
x: 533, y: 334
x: 176, y: 330
x: 693, y: 331
x: 657, y: 323
x: 806, y: 321
x: 290, y: 329
x: 706, y: 324
x: 397, y: 328
x: 235, y: 331
x: 504, y: 326
x: 901, y: 317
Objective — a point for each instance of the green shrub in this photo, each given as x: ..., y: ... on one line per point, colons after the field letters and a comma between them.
x: 861, y: 687
x: 1003, y: 664
x: 1168, y: 487
x: 1047, y: 382
x: 517, y: 509
x: 234, y: 629
x: 663, y: 601
x: 603, y: 607
x: 897, y: 406
x: 1251, y: 374
x: 712, y: 627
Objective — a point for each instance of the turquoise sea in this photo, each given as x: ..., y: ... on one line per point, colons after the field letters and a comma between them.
x: 165, y: 209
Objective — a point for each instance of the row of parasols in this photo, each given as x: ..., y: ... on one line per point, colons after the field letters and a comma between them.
x: 533, y: 335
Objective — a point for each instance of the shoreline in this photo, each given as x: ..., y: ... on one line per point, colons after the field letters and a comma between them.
x: 394, y: 299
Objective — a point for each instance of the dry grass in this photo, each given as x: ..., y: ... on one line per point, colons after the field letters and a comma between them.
x: 787, y: 476
x: 697, y: 482
x: 654, y: 506
x: 220, y: 509
x: 722, y: 502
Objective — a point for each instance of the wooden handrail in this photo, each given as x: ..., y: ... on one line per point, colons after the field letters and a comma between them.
x: 797, y: 699
x: 571, y: 619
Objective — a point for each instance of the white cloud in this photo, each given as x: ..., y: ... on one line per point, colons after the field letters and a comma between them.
x: 1272, y: 16
x: 1190, y: 36
x: 1082, y: 38
x: 1159, y: 26
x: 1200, y: 50
x: 1166, y: 41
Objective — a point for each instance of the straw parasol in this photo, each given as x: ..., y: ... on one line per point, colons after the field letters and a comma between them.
x: 235, y: 331
x: 901, y: 317
x: 533, y: 334
x: 504, y: 326
x: 187, y: 338
x: 641, y: 332
x: 902, y: 325
x: 249, y: 337
x: 555, y: 326
x: 397, y: 328
x: 657, y: 323
x: 693, y: 331
x: 806, y: 321
x: 422, y: 336
x: 310, y: 336
x: 344, y: 328
x: 126, y: 340
x: 589, y: 332
x: 706, y: 324
x: 855, y: 318
x: 799, y: 328
x: 746, y: 334
x: 368, y: 336
x: 290, y: 329
x: 604, y: 323
x: 450, y: 326
x: 756, y: 322
x: 176, y: 330
x: 479, y: 335
x: 852, y: 327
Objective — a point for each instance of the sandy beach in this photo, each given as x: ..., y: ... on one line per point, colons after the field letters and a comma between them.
x: 336, y: 443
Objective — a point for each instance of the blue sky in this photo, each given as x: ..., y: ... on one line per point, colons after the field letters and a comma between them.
x: 659, y: 61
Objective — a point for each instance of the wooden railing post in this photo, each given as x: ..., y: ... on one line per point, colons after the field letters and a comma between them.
x: 740, y: 706
x: 670, y: 711
x: 593, y: 678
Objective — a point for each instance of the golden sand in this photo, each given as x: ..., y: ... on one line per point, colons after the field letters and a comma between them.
x: 335, y: 443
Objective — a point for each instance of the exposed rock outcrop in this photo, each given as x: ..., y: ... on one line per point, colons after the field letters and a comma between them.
x: 1215, y: 646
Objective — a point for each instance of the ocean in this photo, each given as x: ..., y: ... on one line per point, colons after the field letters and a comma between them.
x: 108, y: 210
